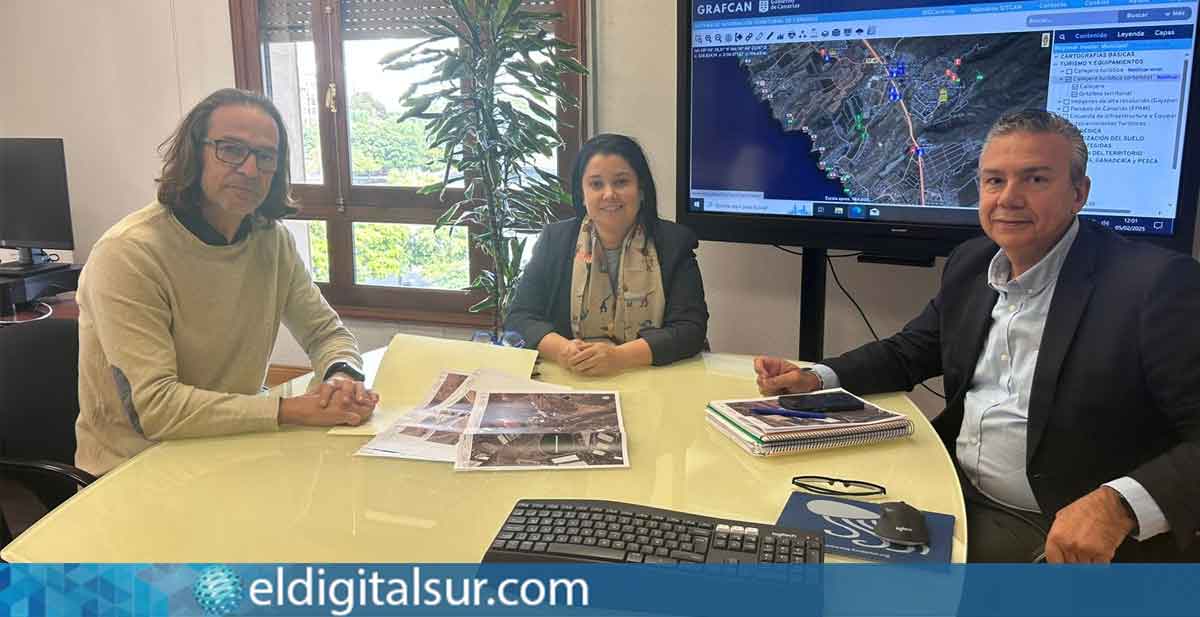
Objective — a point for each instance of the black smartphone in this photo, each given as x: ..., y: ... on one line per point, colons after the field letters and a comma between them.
x: 826, y: 401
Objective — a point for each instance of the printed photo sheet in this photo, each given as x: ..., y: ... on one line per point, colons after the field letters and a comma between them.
x: 543, y: 430
x: 432, y: 432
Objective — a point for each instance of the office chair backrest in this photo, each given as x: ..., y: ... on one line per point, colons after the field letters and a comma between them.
x: 39, y: 395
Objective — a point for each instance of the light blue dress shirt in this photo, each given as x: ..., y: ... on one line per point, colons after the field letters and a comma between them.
x: 991, y: 445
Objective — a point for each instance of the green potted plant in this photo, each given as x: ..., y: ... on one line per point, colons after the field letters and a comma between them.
x: 490, y: 106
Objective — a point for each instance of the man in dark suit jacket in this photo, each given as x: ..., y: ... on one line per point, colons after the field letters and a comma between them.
x: 1071, y: 365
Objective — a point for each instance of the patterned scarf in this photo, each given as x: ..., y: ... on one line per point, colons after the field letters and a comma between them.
x: 595, y: 312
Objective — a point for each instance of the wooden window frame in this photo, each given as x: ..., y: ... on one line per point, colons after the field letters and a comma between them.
x: 364, y: 204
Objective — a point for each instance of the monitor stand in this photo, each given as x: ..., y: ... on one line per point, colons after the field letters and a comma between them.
x: 30, y: 261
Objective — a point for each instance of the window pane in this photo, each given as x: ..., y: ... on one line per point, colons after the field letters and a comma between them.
x: 518, y: 96
x: 382, y: 151
x: 312, y: 242
x: 400, y: 255
x: 531, y: 238
x: 290, y: 80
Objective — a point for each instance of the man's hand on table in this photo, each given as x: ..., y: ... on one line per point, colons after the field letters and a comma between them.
x: 338, y: 400
x: 778, y: 376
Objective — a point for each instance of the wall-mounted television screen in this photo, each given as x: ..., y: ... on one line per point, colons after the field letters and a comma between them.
x: 858, y: 124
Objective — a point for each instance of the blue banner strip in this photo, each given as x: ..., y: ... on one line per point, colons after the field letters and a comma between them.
x: 576, y: 589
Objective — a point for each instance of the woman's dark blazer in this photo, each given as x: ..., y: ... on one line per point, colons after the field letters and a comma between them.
x: 543, y: 304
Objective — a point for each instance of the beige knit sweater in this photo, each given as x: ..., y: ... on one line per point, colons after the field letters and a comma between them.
x: 175, y: 335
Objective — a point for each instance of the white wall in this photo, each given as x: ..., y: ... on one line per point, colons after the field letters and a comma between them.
x: 112, y: 79
x: 753, y: 291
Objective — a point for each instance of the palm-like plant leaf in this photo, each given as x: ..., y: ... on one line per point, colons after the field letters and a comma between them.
x: 505, y: 54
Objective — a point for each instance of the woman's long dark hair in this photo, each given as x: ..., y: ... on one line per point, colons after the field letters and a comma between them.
x: 183, y: 156
x: 628, y: 149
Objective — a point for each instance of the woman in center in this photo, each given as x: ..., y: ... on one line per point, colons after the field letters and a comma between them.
x: 615, y: 287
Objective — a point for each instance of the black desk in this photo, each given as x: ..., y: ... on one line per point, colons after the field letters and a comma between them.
x: 24, y: 290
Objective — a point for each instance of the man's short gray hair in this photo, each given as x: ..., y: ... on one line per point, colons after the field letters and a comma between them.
x: 1041, y: 121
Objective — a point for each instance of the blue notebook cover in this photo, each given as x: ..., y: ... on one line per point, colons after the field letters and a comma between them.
x: 848, y: 525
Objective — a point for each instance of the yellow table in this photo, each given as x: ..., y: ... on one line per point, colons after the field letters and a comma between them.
x: 299, y: 495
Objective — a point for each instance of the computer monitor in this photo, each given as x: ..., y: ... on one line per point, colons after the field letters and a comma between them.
x: 858, y: 124
x: 35, y: 212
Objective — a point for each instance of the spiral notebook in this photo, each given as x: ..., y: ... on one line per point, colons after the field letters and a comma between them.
x: 769, y: 435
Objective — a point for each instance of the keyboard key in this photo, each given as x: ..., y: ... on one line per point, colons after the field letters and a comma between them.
x: 634, y: 557
x: 604, y: 543
x: 527, y: 546
x: 687, y: 556
x: 660, y: 559
x: 587, y: 552
x: 589, y: 541
x: 498, y: 544
x: 539, y: 547
x: 511, y: 545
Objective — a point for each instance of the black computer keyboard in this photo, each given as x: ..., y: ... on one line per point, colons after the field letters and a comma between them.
x: 584, y: 530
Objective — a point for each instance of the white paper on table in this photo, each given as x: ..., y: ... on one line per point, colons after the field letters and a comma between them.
x: 413, y: 362
x: 579, y: 430
x: 432, y: 433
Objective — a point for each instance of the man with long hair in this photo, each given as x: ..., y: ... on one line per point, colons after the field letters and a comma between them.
x: 180, y: 302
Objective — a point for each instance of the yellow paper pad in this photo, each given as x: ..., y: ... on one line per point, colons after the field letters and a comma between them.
x: 412, y: 362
